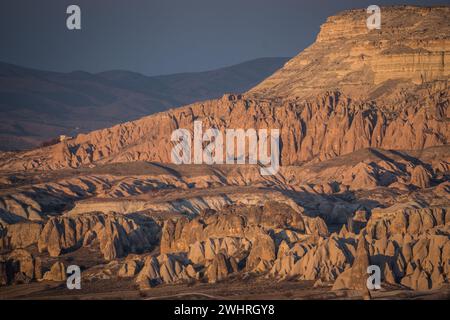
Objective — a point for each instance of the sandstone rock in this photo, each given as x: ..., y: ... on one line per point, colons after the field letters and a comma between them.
x: 374, y: 94
x: 283, y: 265
x: 235, y: 222
x: 237, y: 248
x: 172, y: 269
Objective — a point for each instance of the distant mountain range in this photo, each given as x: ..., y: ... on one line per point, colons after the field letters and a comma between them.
x: 36, y: 105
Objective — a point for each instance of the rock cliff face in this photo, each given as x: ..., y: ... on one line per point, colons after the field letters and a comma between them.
x: 411, y: 49
x: 352, y: 89
x: 323, y: 128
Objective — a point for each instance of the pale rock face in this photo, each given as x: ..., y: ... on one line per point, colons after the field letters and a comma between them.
x: 262, y: 254
x: 411, y: 48
x: 325, y: 260
x: 19, y: 266
x: 20, y: 235
x: 56, y: 273
x: 149, y: 275
x: 347, y: 108
x: 115, y: 235
x: 409, y: 245
x: 241, y: 222
x: 20, y: 207
x: 222, y: 241
x: 407, y: 221
x: 200, y: 252
x: 420, y: 177
x: 355, y: 278
x: 129, y: 269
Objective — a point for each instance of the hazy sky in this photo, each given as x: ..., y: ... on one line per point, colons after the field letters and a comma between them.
x: 162, y: 36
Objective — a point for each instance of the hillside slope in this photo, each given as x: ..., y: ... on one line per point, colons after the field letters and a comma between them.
x: 38, y: 105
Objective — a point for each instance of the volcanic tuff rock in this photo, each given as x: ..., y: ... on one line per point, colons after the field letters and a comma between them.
x: 193, y: 189
x: 39, y: 105
x: 238, y: 222
x: 57, y: 272
x: 411, y: 49
x: 350, y: 90
x: 410, y: 245
x: 114, y: 234
x: 418, y: 260
x: 165, y: 269
x: 220, y: 267
x: 19, y: 266
x: 375, y: 191
x: 356, y: 276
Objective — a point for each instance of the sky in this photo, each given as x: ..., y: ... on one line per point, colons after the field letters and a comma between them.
x: 162, y: 36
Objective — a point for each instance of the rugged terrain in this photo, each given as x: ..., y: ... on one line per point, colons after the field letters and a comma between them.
x: 364, y: 125
x: 37, y: 106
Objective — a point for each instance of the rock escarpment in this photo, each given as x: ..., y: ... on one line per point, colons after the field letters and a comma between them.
x: 364, y: 178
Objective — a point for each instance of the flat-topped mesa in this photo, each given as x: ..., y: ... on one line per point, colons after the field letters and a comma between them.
x: 412, y: 48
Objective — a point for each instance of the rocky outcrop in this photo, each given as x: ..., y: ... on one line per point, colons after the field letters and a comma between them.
x: 236, y: 238
x: 237, y: 221
x: 56, y: 273
x: 356, y: 277
x: 409, y: 245
x: 313, y: 258
x: 408, y: 221
x: 351, y: 126
x: 410, y: 49
x: 350, y: 90
x: 262, y: 254
x: 18, y: 207
x: 130, y: 268
x: 202, y: 251
x: 20, y: 235
x: 220, y: 268
x: 346, y: 196
x: 115, y: 235
x: 19, y: 266
x: 167, y: 269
